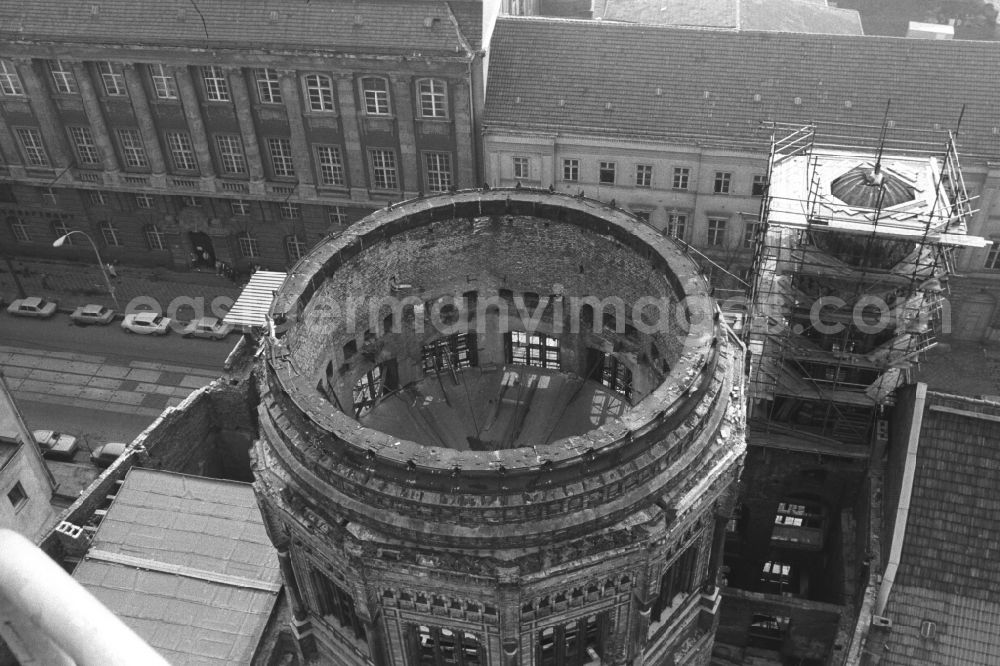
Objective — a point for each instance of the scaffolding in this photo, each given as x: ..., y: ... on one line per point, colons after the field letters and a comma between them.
x: 848, y: 280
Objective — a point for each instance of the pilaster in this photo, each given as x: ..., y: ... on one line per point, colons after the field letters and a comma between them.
x: 411, y: 181
x: 46, y: 114
x: 147, y: 127
x: 196, y: 126
x: 465, y: 151
x: 248, y: 131
x: 357, y: 160
x: 510, y: 614
x: 300, y: 146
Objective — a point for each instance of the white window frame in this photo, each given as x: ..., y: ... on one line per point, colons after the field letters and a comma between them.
x: 330, y: 164
x: 433, y: 96
x: 717, y: 228
x: 133, y: 150
x: 438, y: 170
x: 19, y: 229
x: 520, y: 167
x: 643, y: 175
x: 190, y: 201
x: 84, y: 146
x: 759, y: 185
x: 295, y: 247
x: 289, y: 210
x: 10, y: 82
x: 155, y: 238
x: 607, y: 167
x: 750, y: 230
x: 231, y: 156
x: 181, y: 151
x: 61, y: 229
x: 383, y: 169
x: 681, y: 179
x: 216, y: 84
x: 249, y: 247
x: 280, y: 151
x: 113, y: 80
x: 98, y: 198
x: 571, y: 170
x: 992, y: 262
x: 723, y: 183
x: 143, y: 200
x: 268, y: 85
x: 336, y: 216
x: 32, y: 147
x: 239, y: 207
x: 319, y: 93
x: 377, y: 100
x: 63, y: 79
x: 164, y: 83
x: 677, y: 224
x: 110, y: 234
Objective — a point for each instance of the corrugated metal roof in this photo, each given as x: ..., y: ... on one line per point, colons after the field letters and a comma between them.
x: 185, y: 561
x: 251, y: 307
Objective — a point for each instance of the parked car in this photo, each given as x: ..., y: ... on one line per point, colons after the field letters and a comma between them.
x: 105, y: 454
x: 207, y: 327
x: 56, y: 444
x: 32, y: 307
x: 92, y: 314
x: 146, y: 323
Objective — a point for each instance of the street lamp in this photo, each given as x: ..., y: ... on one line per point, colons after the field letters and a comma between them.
x: 107, y: 280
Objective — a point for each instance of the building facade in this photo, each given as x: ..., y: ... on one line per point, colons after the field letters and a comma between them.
x: 480, y: 488
x: 675, y: 125
x: 241, y: 134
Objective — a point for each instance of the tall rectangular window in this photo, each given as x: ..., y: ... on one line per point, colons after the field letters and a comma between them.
x: 522, y: 167
x: 98, y: 198
x: 716, y: 231
x: 438, y: 171
x: 164, y: 84
x: 239, y: 207
x: 20, y: 230
x: 433, y: 98
x: 216, y: 85
x: 337, y: 216
x: 677, y: 225
x: 606, y: 175
x: 143, y: 201
x: 231, y: 154
x: 290, y: 211
x: 540, y: 351
x: 722, y: 182
x: 132, y: 149
x: 384, y: 169
x: 249, y: 247
x: 10, y: 82
x: 319, y: 91
x: 681, y: 177
x: 181, y: 151
x: 571, y: 170
x: 759, y: 185
x: 155, y: 238
x: 110, y: 233
x: 643, y: 175
x: 993, y: 256
x: 376, y: 95
x: 62, y: 77
x: 31, y: 145
x: 268, y: 86
x: 331, y: 166
x: 295, y: 247
x: 112, y: 78
x: 281, y: 157
x: 83, y: 144
x: 750, y: 232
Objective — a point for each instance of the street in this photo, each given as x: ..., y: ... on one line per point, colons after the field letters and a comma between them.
x: 98, y: 382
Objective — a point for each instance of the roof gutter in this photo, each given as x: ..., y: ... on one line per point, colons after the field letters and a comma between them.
x: 903, y: 508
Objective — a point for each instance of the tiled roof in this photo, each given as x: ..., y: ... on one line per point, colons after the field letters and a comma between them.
x: 949, y: 571
x: 387, y: 26
x: 186, y: 563
x: 803, y: 16
x: 683, y: 85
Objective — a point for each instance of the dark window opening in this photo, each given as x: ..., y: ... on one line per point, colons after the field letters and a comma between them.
x: 371, y: 386
x: 455, y: 351
x: 337, y: 604
x: 539, y: 351
x: 438, y: 646
x: 387, y: 323
x: 767, y: 631
x: 677, y: 579
x: 17, y: 496
x: 610, y: 372
x: 350, y: 349
x: 575, y: 643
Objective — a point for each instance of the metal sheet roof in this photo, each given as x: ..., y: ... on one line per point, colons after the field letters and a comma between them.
x: 251, y: 307
x: 186, y: 563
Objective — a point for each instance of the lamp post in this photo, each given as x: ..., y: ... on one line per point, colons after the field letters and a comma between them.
x: 107, y: 280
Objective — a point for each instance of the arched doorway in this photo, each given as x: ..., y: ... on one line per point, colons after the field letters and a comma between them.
x: 202, y: 250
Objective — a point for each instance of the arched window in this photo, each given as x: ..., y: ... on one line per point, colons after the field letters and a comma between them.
x: 319, y: 92
x: 375, y: 91
x: 249, y: 247
x: 295, y: 247
x: 110, y: 233
x: 155, y: 238
x: 433, y: 95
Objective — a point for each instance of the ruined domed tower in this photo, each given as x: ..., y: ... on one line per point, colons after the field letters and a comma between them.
x: 499, y: 427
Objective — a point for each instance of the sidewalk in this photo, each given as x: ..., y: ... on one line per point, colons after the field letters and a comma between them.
x: 71, y: 284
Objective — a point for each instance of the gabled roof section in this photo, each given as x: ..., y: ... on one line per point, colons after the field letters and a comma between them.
x: 185, y: 561
x: 422, y: 27
x: 949, y: 570
x: 803, y: 16
x: 716, y: 86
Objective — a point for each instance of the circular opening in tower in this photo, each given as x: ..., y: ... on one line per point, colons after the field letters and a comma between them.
x: 490, y: 322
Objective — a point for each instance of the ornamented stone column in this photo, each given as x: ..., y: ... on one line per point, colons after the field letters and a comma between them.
x: 45, y: 111
x: 368, y: 609
x: 137, y: 93
x: 357, y: 160
x: 95, y: 115
x: 408, y: 157
x: 300, y: 146
x: 248, y: 132
x: 196, y: 125
x: 510, y: 615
